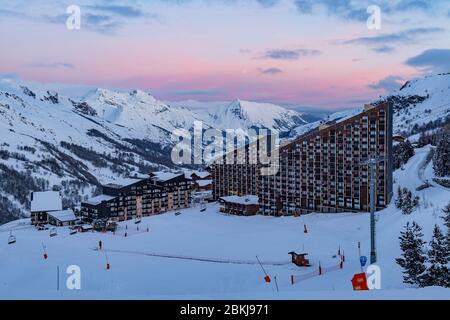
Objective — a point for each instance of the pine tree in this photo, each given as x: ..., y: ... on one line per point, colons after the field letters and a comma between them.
x: 437, y: 273
x: 407, y: 207
x: 446, y: 218
x: 402, y: 152
x: 441, y: 158
x: 406, y: 201
x: 399, y: 200
x: 413, y: 257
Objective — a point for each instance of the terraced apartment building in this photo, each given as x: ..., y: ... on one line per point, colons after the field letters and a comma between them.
x: 320, y: 171
x: 136, y: 198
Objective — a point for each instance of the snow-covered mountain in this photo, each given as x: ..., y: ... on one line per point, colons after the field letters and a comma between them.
x: 141, y: 111
x: 240, y: 114
x: 419, y: 105
x: 248, y: 114
x: 75, y: 139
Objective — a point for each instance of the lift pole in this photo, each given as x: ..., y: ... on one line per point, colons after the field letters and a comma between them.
x: 372, y: 164
x: 373, y: 252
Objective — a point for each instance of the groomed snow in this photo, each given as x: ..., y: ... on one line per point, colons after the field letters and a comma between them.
x: 210, y: 255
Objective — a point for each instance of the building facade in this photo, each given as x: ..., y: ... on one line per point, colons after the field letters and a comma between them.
x: 42, y: 203
x: 134, y: 199
x: 322, y: 170
x: 241, y: 206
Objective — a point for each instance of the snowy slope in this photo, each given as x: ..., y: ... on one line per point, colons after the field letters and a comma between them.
x: 75, y: 137
x: 174, y: 261
x: 52, y: 141
x: 140, y: 111
x: 240, y: 114
x: 421, y: 104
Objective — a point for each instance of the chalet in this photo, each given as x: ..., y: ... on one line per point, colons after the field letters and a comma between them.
x: 62, y: 218
x: 203, y: 185
x: 200, y: 175
x: 202, y: 196
x: 43, y: 203
x: 241, y: 206
x: 136, y: 198
x: 176, y: 188
x: 201, y: 181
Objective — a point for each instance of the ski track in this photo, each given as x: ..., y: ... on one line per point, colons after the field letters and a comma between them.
x: 211, y: 260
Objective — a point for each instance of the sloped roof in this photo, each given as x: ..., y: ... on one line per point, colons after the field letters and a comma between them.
x: 164, y: 176
x: 204, y: 183
x: 202, y: 174
x: 63, y: 215
x: 123, y: 183
x: 98, y: 199
x: 247, y: 200
x: 46, y: 201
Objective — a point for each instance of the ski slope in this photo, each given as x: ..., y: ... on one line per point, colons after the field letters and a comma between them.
x: 213, y: 256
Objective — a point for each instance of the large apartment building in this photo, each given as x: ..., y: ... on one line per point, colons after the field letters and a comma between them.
x: 136, y: 198
x: 320, y: 171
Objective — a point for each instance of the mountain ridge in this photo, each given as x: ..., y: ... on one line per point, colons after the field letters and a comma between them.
x: 74, y: 143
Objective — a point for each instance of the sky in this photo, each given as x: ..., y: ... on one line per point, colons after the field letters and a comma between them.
x: 312, y: 53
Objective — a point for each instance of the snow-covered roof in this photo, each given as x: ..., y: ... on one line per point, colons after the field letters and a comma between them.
x: 204, y: 183
x: 98, y: 199
x: 46, y: 201
x: 63, y: 215
x: 123, y: 183
x: 202, y: 194
x: 247, y: 200
x: 163, y: 176
x: 202, y: 174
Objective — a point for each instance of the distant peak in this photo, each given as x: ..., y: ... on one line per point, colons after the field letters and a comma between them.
x: 102, y: 92
x: 138, y: 92
x: 142, y: 95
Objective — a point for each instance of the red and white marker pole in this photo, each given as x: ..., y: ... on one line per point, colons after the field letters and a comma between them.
x: 45, y: 251
x: 266, y: 278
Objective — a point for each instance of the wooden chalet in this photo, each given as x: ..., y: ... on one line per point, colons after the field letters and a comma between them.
x: 42, y: 203
x: 241, y: 206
